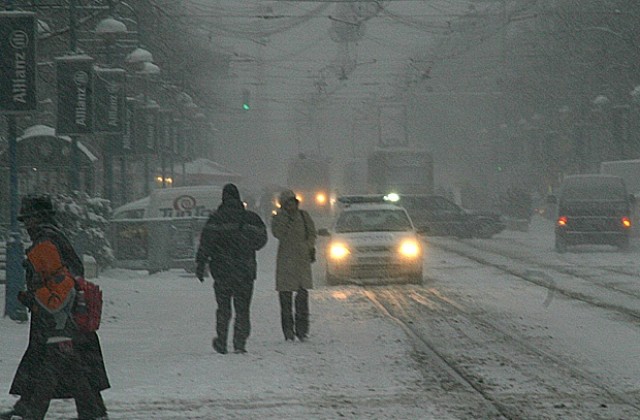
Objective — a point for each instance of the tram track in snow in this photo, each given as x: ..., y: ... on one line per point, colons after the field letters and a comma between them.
x: 422, y: 312
x: 561, y: 279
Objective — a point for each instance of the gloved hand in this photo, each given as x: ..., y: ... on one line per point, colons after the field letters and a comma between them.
x: 26, y: 298
x: 200, y: 272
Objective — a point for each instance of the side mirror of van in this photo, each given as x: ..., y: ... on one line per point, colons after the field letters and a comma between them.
x: 552, y: 199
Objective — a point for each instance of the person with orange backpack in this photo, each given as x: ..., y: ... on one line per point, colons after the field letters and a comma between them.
x: 61, y: 360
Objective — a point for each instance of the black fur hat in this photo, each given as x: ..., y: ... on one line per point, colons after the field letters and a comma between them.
x: 36, y: 206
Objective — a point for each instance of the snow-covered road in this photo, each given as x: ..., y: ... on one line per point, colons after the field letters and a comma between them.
x: 474, y: 341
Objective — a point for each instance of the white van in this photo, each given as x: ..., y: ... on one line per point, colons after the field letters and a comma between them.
x: 191, y: 201
x: 162, y: 231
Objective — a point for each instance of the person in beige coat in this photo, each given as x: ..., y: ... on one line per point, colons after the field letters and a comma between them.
x: 296, y: 233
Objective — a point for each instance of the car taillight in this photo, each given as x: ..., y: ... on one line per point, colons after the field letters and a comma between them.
x: 626, y: 222
x: 562, y: 221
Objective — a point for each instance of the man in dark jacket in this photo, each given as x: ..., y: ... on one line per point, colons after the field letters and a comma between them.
x: 229, y: 242
x: 60, y: 361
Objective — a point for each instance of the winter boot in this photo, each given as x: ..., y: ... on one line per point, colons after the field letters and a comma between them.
x: 239, y: 347
x: 219, y: 346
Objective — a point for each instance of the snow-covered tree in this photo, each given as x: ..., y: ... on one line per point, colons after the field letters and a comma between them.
x: 84, y: 220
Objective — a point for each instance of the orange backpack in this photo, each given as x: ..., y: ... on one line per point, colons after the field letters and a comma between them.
x: 55, y: 292
x: 53, y: 281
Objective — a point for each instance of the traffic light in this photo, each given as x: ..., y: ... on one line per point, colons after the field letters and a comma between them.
x: 245, y: 100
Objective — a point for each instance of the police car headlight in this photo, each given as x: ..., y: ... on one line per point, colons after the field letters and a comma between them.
x: 409, y: 248
x: 338, y: 251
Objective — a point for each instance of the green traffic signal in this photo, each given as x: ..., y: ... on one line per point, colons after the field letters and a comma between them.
x: 245, y: 99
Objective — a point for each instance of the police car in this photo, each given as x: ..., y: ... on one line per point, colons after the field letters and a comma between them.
x: 373, y: 241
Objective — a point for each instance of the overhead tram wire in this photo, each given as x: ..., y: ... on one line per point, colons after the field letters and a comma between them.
x: 251, y: 32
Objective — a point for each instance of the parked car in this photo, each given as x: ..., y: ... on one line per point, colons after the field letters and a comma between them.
x: 439, y: 216
x: 373, y: 241
x: 593, y: 209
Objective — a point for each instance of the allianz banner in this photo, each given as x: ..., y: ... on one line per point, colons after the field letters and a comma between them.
x: 128, y: 147
x: 146, y: 129
x: 17, y: 62
x: 75, y: 95
x: 110, y: 95
x: 176, y: 133
x: 165, y: 121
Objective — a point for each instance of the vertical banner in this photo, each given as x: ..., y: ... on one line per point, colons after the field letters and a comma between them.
x: 176, y: 136
x: 75, y: 95
x: 17, y: 62
x: 165, y: 120
x: 128, y: 147
x: 146, y: 129
x: 110, y: 98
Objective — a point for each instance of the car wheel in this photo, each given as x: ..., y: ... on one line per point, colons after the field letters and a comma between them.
x: 561, y: 245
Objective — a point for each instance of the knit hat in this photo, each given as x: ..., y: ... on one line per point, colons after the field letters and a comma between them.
x: 287, y: 195
x: 230, y: 192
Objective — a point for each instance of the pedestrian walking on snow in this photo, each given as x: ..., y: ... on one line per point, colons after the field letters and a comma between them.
x: 295, y: 230
x: 228, y: 244
x: 60, y: 361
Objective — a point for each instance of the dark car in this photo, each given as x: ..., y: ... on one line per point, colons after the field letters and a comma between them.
x: 436, y: 215
x: 439, y: 216
x: 593, y: 209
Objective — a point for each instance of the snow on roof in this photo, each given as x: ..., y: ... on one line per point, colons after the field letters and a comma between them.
x: 15, y: 13
x: 74, y: 57
x: 40, y: 130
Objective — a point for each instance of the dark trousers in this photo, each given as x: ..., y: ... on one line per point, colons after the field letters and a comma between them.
x: 22, y: 406
x: 60, y: 361
x: 298, y: 323
x: 239, y: 293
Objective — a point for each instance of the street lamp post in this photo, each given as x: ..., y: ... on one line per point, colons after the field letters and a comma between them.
x: 109, y: 30
x: 147, y: 70
x: 137, y: 61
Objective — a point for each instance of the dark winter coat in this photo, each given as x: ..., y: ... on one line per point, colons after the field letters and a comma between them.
x: 41, y: 324
x: 296, y: 234
x: 229, y: 241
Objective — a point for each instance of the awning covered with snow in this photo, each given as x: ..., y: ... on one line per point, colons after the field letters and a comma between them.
x: 40, y: 144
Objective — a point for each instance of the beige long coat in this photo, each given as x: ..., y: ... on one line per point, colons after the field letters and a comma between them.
x: 293, y: 264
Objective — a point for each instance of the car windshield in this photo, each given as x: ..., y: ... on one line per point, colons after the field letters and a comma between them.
x: 373, y: 221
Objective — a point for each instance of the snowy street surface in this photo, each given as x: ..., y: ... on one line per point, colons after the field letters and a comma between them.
x: 500, y: 328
